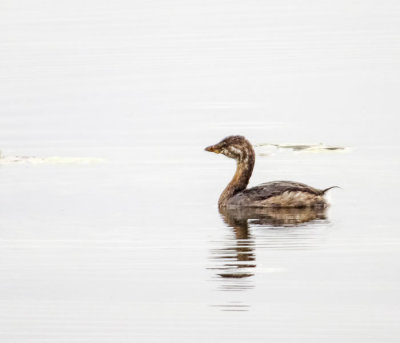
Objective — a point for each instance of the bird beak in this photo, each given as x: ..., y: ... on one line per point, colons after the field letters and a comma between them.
x: 213, y: 148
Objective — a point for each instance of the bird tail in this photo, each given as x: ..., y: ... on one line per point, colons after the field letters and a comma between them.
x: 327, y: 189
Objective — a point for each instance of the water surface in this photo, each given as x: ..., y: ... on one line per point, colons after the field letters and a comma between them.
x: 110, y: 230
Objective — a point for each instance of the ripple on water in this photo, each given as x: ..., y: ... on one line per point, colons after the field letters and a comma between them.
x: 49, y: 160
x: 271, y: 148
x: 233, y: 259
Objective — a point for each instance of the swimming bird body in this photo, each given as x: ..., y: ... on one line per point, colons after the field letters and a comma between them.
x: 270, y: 194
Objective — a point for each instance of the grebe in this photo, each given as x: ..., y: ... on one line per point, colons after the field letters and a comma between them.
x: 270, y: 194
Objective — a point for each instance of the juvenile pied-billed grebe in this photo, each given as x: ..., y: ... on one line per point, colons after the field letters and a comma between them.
x: 270, y: 194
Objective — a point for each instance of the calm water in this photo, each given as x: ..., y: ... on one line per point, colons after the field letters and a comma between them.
x: 110, y: 230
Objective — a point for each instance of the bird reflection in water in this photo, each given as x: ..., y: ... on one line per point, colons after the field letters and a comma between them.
x: 237, y: 259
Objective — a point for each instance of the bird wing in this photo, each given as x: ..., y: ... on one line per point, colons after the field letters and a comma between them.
x: 274, y: 188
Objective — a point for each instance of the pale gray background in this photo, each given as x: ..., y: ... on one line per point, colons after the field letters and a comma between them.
x: 128, y: 250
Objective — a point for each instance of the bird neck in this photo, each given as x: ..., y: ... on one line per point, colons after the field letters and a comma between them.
x: 240, y: 180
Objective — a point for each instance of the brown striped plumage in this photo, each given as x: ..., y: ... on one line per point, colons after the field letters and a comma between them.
x: 270, y: 194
